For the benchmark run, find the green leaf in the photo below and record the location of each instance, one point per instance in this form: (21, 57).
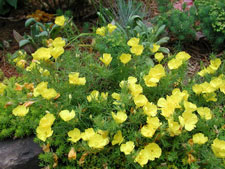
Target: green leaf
(149, 62)
(13, 3)
(164, 50)
(160, 30)
(44, 33)
(29, 21)
(23, 42)
(42, 26)
(163, 40)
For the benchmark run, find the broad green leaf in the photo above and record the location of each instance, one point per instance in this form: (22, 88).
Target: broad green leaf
(164, 50)
(149, 62)
(44, 33)
(160, 30)
(23, 42)
(29, 21)
(163, 40)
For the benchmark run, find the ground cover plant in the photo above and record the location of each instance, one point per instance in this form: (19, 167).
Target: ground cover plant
(121, 102)
(188, 20)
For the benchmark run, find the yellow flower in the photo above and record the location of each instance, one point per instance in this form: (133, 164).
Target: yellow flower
(101, 31)
(214, 65)
(167, 106)
(133, 42)
(183, 56)
(20, 110)
(199, 138)
(188, 120)
(181, 95)
(116, 96)
(140, 100)
(21, 63)
(111, 27)
(118, 138)
(58, 42)
(150, 152)
(44, 72)
(132, 80)
(39, 88)
(142, 157)
(154, 151)
(127, 148)
(44, 132)
(154, 75)
(216, 83)
(56, 52)
(222, 87)
(159, 56)
(148, 131)
(174, 128)
(197, 89)
(203, 72)
(60, 20)
(153, 122)
(137, 49)
(75, 80)
(207, 87)
(87, 134)
(189, 107)
(150, 109)
(42, 54)
(66, 115)
(125, 58)
(218, 148)
(120, 117)
(93, 96)
(204, 112)
(174, 64)
(98, 141)
(135, 89)
(49, 93)
(44, 129)
(33, 65)
(47, 120)
(155, 48)
(74, 135)
(106, 59)
(104, 96)
(2, 88)
(210, 97)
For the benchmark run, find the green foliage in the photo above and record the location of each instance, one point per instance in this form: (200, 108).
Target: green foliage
(137, 82)
(6, 5)
(40, 32)
(212, 16)
(124, 14)
(181, 24)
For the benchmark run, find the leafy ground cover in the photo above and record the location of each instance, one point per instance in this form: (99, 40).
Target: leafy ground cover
(123, 100)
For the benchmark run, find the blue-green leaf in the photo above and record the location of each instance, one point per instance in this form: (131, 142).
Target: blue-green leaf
(23, 42)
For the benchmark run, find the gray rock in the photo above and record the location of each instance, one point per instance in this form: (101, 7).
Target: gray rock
(19, 154)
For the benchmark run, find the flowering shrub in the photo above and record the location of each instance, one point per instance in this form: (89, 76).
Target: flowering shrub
(116, 107)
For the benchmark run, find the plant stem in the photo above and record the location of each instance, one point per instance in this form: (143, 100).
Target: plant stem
(82, 34)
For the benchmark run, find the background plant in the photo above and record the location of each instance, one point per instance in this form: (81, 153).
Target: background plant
(7, 5)
(212, 15)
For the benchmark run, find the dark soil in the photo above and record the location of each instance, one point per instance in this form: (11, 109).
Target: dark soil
(15, 21)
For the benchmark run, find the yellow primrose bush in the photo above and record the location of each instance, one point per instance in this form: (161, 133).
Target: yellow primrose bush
(116, 107)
